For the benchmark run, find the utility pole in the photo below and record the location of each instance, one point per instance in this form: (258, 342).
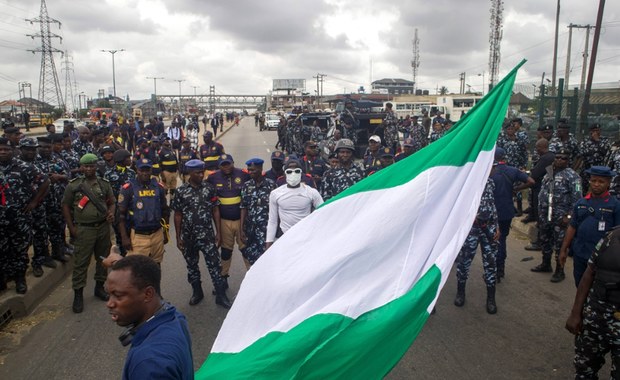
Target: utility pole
(568, 53)
(180, 81)
(555, 49)
(584, 67)
(319, 87)
(462, 80)
(597, 35)
(415, 62)
(113, 52)
(155, 84)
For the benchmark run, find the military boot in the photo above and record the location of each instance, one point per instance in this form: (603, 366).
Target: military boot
(20, 284)
(545, 266)
(58, 253)
(459, 300)
(558, 275)
(197, 294)
(221, 298)
(37, 270)
(100, 291)
(78, 300)
(225, 278)
(491, 306)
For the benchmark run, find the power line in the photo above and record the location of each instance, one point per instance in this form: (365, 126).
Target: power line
(14, 7)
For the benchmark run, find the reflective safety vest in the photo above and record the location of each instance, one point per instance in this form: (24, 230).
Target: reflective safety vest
(145, 209)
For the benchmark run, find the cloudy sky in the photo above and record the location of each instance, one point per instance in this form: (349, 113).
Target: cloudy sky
(241, 45)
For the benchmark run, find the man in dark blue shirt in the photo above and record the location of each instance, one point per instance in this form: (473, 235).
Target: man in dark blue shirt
(505, 178)
(161, 346)
(593, 216)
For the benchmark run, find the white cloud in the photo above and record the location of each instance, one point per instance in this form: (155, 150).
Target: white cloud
(241, 45)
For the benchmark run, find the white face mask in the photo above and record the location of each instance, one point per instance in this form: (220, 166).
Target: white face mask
(293, 177)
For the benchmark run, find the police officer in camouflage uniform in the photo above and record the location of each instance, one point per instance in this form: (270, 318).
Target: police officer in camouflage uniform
(18, 182)
(514, 145)
(560, 190)
(255, 210)
(70, 155)
(595, 316)
(485, 232)
(564, 140)
(89, 226)
(83, 145)
(418, 135)
(41, 255)
(312, 163)
(592, 152)
(345, 175)
(58, 173)
(196, 209)
(390, 128)
(348, 122)
(117, 176)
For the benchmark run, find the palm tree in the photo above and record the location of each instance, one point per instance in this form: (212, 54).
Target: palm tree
(443, 90)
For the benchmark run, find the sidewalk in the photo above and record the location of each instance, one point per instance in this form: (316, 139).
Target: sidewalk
(13, 305)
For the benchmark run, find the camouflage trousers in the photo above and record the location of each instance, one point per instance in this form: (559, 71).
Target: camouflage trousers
(600, 335)
(15, 236)
(482, 235)
(39, 236)
(56, 229)
(191, 253)
(550, 237)
(255, 246)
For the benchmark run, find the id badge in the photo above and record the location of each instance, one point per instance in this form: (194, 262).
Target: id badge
(601, 225)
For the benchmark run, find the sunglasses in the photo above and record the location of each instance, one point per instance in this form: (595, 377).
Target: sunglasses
(291, 171)
(563, 158)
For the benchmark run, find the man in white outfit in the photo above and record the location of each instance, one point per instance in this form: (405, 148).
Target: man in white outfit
(291, 203)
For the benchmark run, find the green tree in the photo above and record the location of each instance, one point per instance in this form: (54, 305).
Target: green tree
(443, 90)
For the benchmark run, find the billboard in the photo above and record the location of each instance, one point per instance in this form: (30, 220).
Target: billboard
(288, 84)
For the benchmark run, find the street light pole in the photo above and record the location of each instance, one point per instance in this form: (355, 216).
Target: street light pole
(113, 69)
(180, 81)
(155, 84)
(482, 81)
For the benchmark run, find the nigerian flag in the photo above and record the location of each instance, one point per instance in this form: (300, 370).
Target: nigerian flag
(344, 293)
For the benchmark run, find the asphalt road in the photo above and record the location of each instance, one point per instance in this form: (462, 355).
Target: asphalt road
(524, 340)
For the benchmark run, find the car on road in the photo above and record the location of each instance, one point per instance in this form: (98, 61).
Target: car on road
(272, 121)
(59, 124)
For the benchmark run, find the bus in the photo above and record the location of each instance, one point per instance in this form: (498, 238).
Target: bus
(457, 105)
(404, 109)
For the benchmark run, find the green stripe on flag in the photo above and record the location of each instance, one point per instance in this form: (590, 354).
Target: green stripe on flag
(448, 150)
(332, 346)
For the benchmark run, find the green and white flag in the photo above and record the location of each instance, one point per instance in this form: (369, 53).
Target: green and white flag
(344, 293)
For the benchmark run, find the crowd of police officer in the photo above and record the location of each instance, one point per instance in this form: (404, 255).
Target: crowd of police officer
(39, 183)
